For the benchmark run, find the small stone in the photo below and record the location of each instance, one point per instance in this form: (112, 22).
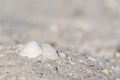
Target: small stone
(31, 50)
(91, 66)
(59, 61)
(62, 55)
(82, 61)
(92, 59)
(106, 71)
(49, 52)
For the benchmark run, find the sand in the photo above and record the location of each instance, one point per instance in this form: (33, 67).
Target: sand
(85, 35)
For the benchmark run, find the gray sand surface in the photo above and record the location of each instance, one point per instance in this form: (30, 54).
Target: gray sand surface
(87, 32)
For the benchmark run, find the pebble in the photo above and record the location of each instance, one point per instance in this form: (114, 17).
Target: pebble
(106, 71)
(49, 52)
(62, 55)
(31, 50)
(92, 59)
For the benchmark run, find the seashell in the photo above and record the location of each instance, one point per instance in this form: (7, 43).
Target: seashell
(49, 52)
(31, 50)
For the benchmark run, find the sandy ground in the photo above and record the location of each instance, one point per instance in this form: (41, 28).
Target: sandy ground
(87, 32)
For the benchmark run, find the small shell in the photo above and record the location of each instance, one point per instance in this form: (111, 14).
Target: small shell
(49, 52)
(31, 50)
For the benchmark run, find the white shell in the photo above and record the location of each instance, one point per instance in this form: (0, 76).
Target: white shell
(49, 52)
(31, 50)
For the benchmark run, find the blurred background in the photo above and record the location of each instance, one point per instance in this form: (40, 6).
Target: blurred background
(91, 26)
